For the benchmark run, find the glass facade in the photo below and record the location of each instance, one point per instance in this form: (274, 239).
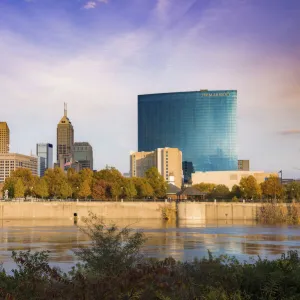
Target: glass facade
(83, 153)
(203, 125)
(45, 151)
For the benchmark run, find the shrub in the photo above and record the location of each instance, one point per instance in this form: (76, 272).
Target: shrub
(168, 212)
(271, 213)
(113, 250)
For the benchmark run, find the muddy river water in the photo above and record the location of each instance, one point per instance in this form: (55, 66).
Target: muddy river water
(183, 241)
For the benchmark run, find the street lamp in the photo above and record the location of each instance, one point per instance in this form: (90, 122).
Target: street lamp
(122, 192)
(280, 172)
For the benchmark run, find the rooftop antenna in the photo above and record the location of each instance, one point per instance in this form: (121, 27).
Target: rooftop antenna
(65, 109)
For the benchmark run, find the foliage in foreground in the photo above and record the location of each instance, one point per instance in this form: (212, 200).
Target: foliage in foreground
(113, 268)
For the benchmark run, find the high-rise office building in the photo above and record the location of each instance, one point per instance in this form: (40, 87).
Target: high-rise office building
(188, 170)
(11, 161)
(168, 162)
(4, 138)
(45, 150)
(41, 166)
(65, 140)
(83, 153)
(202, 124)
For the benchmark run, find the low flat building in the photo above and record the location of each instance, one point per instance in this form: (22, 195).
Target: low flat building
(10, 162)
(168, 162)
(244, 165)
(229, 178)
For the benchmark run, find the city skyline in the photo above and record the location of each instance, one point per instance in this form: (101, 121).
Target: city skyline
(99, 66)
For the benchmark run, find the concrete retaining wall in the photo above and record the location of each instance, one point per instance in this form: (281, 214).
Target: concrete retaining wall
(63, 210)
(127, 210)
(218, 211)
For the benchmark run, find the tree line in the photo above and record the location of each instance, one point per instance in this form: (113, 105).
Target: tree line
(106, 184)
(110, 184)
(249, 188)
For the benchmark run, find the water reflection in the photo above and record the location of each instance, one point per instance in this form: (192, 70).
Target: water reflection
(182, 240)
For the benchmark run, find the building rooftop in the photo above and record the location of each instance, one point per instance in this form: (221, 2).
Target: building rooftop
(191, 92)
(82, 144)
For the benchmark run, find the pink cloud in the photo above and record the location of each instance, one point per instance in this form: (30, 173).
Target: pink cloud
(290, 132)
(90, 5)
(93, 4)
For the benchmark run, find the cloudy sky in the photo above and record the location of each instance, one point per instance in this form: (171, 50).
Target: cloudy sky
(99, 55)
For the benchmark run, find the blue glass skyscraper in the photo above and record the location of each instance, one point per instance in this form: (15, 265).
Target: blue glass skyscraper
(202, 124)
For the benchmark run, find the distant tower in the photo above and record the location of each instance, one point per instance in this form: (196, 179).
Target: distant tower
(65, 139)
(4, 138)
(83, 153)
(45, 153)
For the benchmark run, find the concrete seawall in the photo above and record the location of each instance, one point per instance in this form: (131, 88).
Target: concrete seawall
(218, 211)
(64, 210)
(127, 210)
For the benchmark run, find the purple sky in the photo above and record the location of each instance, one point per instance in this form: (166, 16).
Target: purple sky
(99, 55)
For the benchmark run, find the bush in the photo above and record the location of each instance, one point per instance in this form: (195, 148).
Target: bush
(278, 213)
(113, 250)
(235, 199)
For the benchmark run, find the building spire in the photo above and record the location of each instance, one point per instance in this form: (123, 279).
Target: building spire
(65, 109)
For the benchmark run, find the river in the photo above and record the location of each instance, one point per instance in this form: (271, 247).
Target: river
(183, 241)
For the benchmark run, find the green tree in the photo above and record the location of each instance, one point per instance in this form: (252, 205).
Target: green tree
(74, 181)
(116, 190)
(205, 187)
(221, 191)
(130, 190)
(293, 191)
(41, 188)
(99, 189)
(250, 188)
(157, 182)
(19, 189)
(9, 185)
(272, 188)
(113, 250)
(84, 190)
(143, 188)
(110, 174)
(27, 179)
(115, 179)
(86, 174)
(65, 190)
(54, 178)
(236, 191)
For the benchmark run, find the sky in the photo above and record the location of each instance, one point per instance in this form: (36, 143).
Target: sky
(97, 56)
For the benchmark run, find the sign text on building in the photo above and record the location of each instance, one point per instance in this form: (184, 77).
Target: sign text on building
(225, 94)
